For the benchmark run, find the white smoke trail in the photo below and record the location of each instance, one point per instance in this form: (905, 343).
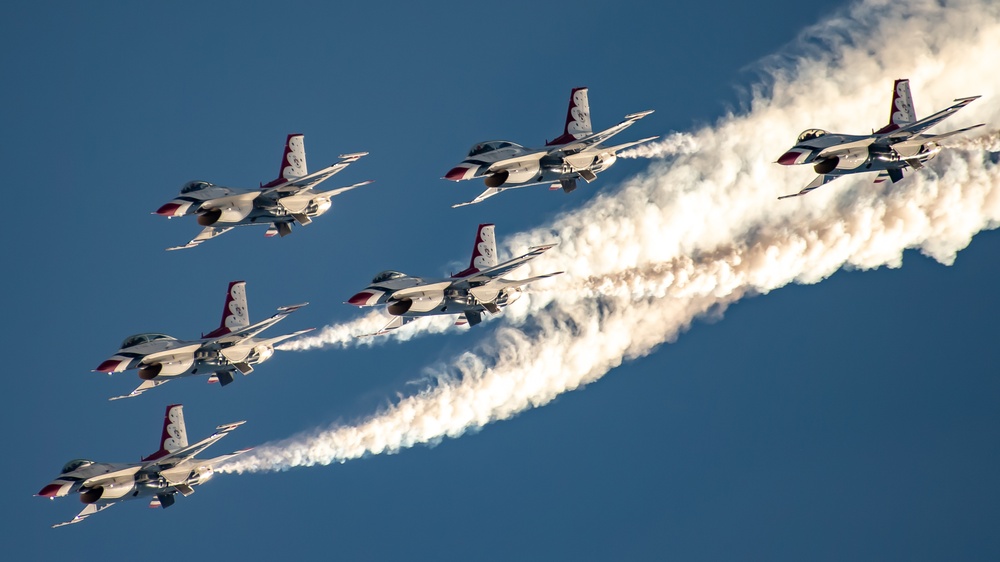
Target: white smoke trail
(704, 229)
(671, 145)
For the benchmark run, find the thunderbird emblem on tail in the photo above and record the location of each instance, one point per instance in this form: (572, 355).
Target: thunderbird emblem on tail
(576, 154)
(291, 198)
(888, 151)
(468, 293)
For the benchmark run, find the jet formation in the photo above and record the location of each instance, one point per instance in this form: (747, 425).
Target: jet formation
(295, 198)
(171, 470)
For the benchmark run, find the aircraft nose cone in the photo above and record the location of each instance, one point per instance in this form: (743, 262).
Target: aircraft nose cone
(789, 158)
(108, 366)
(49, 491)
(168, 210)
(456, 173)
(360, 299)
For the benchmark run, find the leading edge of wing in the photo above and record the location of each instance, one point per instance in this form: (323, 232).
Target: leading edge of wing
(500, 270)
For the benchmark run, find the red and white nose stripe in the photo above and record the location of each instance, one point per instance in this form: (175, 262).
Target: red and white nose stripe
(174, 208)
(794, 156)
(57, 489)
(461, 172)
(368, 297)
(115, 364)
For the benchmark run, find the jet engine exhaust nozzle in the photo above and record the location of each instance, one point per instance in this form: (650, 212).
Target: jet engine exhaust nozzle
(400, 307)
(149, 372)
(497, 179)
(208, 218)
(826, 166)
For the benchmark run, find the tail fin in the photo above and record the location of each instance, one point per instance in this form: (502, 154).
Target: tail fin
(235, 314)
(577, 118)
(174, 436)
(901, 113)
(484, 251)
(293, 161)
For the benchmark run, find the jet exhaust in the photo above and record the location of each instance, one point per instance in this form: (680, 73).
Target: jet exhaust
(700, 231)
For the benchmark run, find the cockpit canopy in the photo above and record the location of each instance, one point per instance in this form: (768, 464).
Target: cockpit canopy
(75, 464)
(387, 275)
(490, 146)
(143, 338)
(195, 186)
(810, 134)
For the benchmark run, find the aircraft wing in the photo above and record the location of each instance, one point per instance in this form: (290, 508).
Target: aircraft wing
(146, 385)
(598, 138)
(819, 181)
(238, 353)
(316, 178)
(922, 125)
(502, 269)
(396, 323)
(237, 336)
(96, 480)
(418, 291)
(491, 191)
(918, 141)
(297, 202)
(839, 149)
(619, 147)
(207, 234)
(180, 455)
(87, 512)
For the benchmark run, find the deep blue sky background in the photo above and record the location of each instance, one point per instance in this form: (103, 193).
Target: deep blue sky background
(854, 419)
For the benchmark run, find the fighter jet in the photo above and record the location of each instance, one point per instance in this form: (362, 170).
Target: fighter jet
(888, 151)
(467, 293)
(163, 474)
(229, 348)
(577, 153)
(291, 198)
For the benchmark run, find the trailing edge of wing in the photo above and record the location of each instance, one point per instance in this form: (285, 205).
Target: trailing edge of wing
(502, 269)
(922, 125)
(602, 136)
(914, 142)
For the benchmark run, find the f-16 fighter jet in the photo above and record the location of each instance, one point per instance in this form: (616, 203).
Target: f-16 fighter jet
(577, 153)
(229, 348)
(171, 470)
(291, 198)
(888, 151)
(468, 293)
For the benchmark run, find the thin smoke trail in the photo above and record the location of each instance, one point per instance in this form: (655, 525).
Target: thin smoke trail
(702, 230)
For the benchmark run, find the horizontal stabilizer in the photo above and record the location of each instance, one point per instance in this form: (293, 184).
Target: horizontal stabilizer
(917, 142)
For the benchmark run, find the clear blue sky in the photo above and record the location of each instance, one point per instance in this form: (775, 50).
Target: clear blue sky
(853, 419)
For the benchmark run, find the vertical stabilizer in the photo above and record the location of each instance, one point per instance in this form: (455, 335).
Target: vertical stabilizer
(235, 314)
(577, 118)
(484, 251)
(174, 436)
(293, 161)
(901, 113)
